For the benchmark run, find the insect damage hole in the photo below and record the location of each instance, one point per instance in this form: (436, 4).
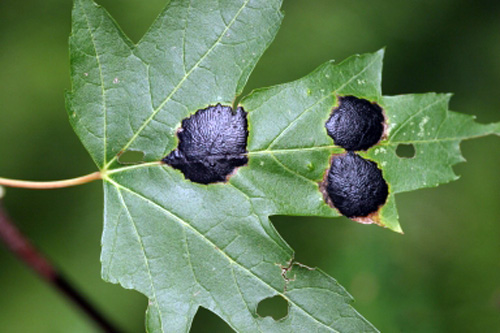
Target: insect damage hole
(404, 150)
(356, 124)
(131, 157)
(355, 186)
(275, 307)
(212, 144)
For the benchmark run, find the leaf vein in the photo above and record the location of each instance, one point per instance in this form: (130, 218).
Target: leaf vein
(242, 297)
(179, 85)
(103, 91)
(210, 242)
(398, 129)
(319, 101)
(295, 173)
(146, 262)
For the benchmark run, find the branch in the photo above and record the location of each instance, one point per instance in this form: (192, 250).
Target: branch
(24, 250)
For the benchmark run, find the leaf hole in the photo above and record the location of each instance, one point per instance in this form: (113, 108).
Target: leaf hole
(131, 157)
(275, 307)
(405, 150)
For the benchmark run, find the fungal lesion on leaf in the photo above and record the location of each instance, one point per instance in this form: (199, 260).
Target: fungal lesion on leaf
(356, 123)
(212, 144)
(352, 185)
(355, 187)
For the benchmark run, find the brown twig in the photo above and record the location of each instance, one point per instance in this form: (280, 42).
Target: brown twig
(24, 250)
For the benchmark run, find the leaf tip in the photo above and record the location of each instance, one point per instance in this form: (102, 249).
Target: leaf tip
(397, 228)
(381, 52)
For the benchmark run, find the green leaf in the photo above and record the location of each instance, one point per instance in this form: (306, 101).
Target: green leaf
(129, 96)
(425, 122)
(186, 245)
(287, 130)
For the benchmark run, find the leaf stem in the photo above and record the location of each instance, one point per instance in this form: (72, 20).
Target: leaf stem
(35, 185)
(130, 167)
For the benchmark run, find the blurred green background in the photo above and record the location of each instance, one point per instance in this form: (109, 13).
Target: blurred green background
(443, 275)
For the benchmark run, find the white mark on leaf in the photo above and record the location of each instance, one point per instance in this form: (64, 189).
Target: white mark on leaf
(424, 121)
(391, 126)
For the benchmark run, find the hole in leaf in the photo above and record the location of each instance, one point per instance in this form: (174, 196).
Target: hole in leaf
(207, 321)
(405, 150)
(275, 307)
(131, 157)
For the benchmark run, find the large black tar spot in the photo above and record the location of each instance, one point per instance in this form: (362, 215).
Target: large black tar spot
(212, 143)
(355, 185)
(356, 124)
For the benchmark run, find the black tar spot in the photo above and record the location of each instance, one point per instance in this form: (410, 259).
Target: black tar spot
(212, 143)
(356, 124)
(355, 185)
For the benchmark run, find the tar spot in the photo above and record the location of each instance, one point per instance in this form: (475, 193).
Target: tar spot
(355, 186)
(212, 143)
(356, 124)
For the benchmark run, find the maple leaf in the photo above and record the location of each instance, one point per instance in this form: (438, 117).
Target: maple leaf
(185, 244)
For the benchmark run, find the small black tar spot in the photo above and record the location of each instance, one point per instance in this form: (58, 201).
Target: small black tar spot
(356, 124)
(356, 186)
(212, 143)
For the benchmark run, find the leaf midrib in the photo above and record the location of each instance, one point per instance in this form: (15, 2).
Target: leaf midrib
(302, 149)
(103, 90)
